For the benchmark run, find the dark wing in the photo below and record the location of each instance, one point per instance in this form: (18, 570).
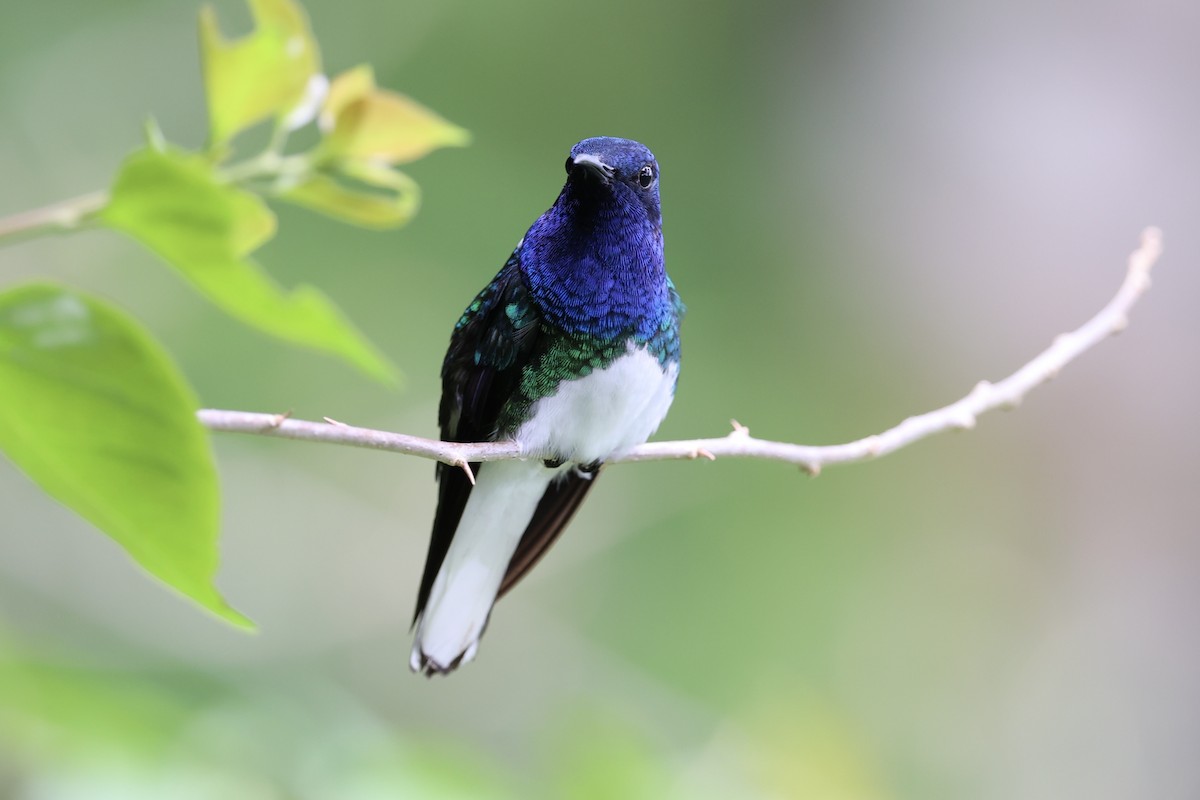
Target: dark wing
(492, 342)
(554, 511)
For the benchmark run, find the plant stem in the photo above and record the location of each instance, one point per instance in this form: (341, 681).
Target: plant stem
(59, 217)
(265, 165)
(959, 415)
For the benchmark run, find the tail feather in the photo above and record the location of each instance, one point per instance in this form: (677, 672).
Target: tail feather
(460, 600)
(560, 502)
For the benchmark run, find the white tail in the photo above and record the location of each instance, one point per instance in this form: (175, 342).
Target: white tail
(497, 513)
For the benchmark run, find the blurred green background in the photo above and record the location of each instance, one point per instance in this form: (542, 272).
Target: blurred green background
(868, 208)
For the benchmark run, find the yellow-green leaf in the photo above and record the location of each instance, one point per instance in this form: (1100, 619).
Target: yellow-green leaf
(263, 74)
(95, 412)
(367, 123)
(389, 198)
(173, 203)
(353, 84)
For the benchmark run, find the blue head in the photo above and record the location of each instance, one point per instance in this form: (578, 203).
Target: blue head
(604, 170)
(594, 261)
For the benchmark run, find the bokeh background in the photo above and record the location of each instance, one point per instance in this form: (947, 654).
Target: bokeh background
(869, 207)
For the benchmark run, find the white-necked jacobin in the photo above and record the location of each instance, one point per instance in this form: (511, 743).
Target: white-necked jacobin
(573, 351)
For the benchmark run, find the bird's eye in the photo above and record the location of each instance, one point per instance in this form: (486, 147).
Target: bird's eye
(646, 176)
(570, 163)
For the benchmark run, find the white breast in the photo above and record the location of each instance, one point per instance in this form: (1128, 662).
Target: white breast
(601, 414)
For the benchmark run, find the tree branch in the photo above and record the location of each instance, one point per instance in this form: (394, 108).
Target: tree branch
(63, 216)
(959, 415)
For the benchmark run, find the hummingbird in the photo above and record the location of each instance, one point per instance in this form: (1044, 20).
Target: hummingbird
(572, 351)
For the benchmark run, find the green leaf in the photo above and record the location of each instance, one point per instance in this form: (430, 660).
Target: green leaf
(97, 415)
(366, 123)
(173, 203)
(392, 204)
(353, 84)
(263, 74)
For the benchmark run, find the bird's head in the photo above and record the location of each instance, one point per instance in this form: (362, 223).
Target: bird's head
(623, 169)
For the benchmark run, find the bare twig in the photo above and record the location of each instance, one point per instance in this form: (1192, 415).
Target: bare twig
(739, 443)
(63, 216)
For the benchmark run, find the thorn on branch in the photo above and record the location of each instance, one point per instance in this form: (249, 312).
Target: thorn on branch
(1144, 257)
(963, 421)
(465, 466)
(812, 470)
(278, 419)
(700, 452)
(333, 421)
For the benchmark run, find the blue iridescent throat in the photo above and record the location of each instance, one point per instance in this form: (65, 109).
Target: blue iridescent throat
(594, 265)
